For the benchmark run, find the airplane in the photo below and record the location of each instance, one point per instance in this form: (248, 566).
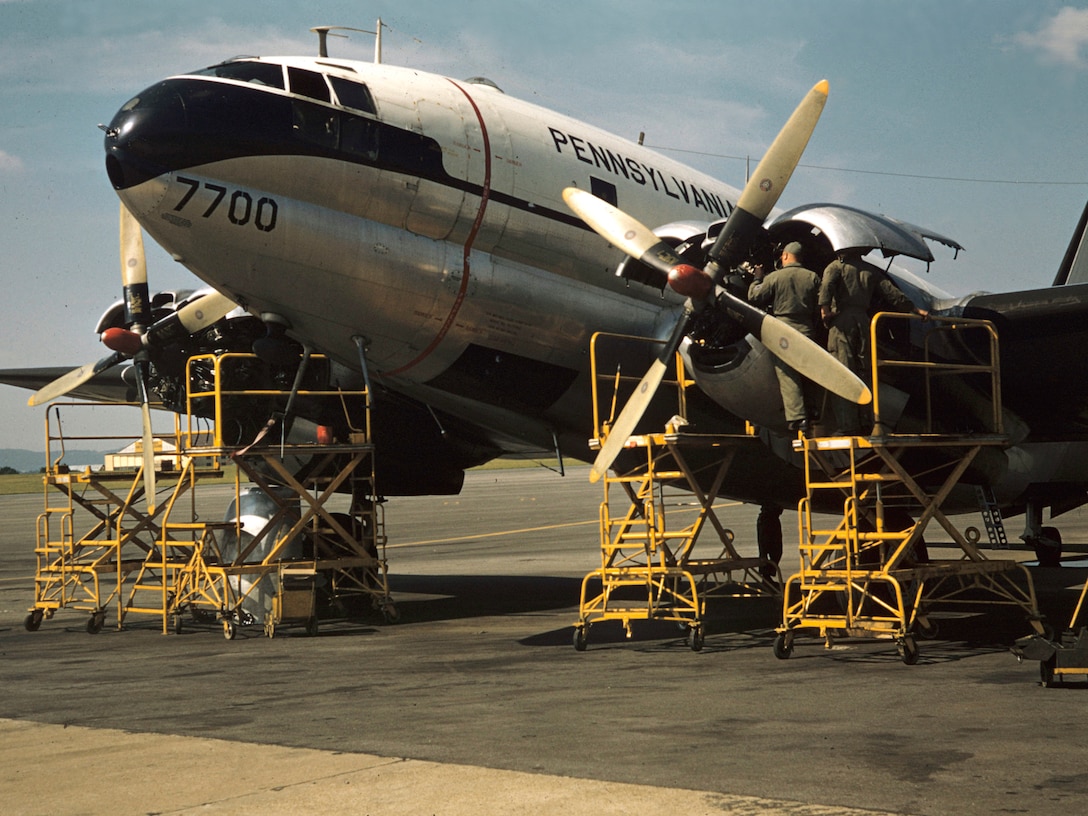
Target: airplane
(432, 236)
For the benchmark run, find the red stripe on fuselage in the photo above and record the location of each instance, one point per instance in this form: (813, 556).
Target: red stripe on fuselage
(485, 194)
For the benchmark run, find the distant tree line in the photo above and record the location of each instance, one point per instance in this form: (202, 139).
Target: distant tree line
(6, 470)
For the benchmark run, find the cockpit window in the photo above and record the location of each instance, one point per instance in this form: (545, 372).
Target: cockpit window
(259, 73)
(308, 83)
(353, 94)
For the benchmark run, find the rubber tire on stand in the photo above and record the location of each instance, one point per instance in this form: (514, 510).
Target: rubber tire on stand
(695, 638)
(783, 645)
(579, 639)
(94, 623)
(926, 628)
(908, 651)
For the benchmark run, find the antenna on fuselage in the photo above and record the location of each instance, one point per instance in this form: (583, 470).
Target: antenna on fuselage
(323, 38)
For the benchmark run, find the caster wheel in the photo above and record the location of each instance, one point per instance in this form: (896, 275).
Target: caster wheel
(579, 639)
(33, 620)
(94, 623)
(695, 638)
(926, 628)
(390, 613)
(177, 624)
(311, 627)
(908, 651)
(229, 630)
(783, 645)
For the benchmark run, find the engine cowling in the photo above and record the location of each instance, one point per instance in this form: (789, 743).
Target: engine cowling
(741, 378)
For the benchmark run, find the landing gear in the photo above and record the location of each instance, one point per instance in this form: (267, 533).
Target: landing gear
(1046, 670)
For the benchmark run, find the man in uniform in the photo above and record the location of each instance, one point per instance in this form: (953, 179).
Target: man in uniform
(791, 295)
(848, 291)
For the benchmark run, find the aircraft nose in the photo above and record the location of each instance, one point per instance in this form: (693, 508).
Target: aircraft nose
(188, 121)
(144, 138)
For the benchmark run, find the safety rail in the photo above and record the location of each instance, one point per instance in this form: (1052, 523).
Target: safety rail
(218, 379)
(944, 339)
(624, 352)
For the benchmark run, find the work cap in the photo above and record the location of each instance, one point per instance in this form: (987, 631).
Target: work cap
(793, 248)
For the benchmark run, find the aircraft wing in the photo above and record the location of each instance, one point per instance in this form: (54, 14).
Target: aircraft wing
(109, 386)
(1044, 354)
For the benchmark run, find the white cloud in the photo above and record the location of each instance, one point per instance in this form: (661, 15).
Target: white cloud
(1061, 39)
(10, 164)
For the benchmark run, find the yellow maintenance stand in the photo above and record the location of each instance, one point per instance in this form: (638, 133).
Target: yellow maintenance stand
(866, 572)
(649, 566)
(280, 545)
(97, 529)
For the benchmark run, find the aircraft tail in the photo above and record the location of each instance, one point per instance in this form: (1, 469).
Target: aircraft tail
(1074, 266)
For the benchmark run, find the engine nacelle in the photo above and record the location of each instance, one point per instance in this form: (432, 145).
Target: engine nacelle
(740, 378)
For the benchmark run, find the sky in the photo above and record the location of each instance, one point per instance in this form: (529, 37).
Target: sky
(964, 116)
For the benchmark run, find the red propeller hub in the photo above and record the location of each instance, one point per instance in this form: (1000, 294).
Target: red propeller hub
(122, 340)
(690, 281)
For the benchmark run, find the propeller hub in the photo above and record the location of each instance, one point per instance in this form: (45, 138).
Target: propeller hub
(117, 339)
(690, 281)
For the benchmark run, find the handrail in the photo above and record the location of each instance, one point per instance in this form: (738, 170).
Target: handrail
(937, 329)
(681, 383)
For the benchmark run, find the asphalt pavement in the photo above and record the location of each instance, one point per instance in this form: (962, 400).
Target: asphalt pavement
(476, 701)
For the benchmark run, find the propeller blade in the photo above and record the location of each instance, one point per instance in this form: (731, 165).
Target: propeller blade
(73, 379)
(134, 270)
(189, 319)
(148, 437)
(802, 354)
(621, 230)
(636, 406)
(766, 184)
(744, 225)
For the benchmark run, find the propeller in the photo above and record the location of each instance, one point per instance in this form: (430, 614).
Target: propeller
(138, 315)
(744, 225)
(136, 342)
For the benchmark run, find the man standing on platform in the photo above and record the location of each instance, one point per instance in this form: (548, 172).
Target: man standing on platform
(791, 295)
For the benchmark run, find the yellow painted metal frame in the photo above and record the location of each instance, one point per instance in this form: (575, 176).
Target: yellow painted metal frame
(169, 562)
(89, 571)
(861, 576)
(648, 570)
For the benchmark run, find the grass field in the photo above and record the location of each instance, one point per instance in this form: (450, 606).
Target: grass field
(20, 483)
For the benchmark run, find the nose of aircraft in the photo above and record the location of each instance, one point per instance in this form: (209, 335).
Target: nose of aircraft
(145, 137)
(192, 120)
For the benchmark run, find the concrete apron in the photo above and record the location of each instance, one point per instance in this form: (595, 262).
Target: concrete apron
(56, 769)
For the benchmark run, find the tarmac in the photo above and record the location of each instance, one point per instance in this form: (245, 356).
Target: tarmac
(476, 701)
